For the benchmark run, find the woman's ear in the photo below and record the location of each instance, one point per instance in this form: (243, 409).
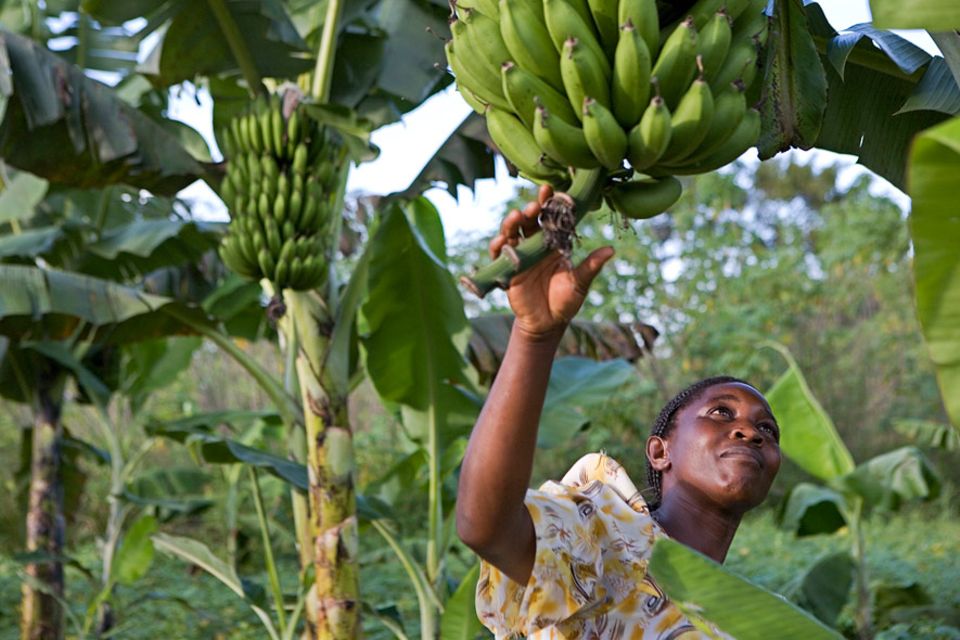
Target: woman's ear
(657, 453)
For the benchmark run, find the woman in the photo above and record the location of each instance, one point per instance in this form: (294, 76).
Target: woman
(569, 560)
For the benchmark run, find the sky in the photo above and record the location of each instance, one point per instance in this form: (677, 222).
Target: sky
(406, 146)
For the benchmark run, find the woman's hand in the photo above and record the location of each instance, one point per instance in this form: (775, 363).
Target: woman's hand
(546, 297)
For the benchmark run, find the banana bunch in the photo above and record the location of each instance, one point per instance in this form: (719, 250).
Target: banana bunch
(280, 187)
(587, 84)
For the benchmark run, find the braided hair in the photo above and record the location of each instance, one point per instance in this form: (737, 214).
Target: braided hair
(668, 419)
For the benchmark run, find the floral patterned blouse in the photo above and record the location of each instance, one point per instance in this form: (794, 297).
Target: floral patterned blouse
(589, 580)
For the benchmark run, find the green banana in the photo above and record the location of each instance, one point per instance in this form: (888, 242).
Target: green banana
(603, 134)
(729, 109)
(471, 88)
(648, 140)
(582, 76)
(630, 87)
(246, 246)
(277, 127)
(524, 90)
(691, 121)
(266, 131)
(479, 75)
(606, 21)
(269, 168)
(288, 230)
(294, 128)
(489, 8)
(471, 99)
(280, 274)
(288, 250)
(643, 15)
(753, 23)
(280, 208)
(486, 43)
(256, 136)
(227, 192)
(517, 145)
(309, 214)
(263, 206)
(300, 159)
(295, 206)
(272, 234)
(267, 264)
(564, 143)
(232, 257)
(740, 65)
(236, 126)
(528, 41)
(744, 137)
(703, 10)
(640, 199)
(677, 63)
(713, 43)
(296, 273)
(565, 22)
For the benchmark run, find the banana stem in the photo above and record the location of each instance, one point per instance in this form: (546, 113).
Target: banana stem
(585, 192)
(238, 47)
(323, 71)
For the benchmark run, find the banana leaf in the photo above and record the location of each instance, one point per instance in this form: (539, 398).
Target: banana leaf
(933, 15)
(594, 340)
(808, 435)
(935, 228)
(871, 76)
(701, 587)
(100, 140)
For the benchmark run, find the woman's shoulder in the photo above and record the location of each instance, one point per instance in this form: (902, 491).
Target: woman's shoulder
(600, 468)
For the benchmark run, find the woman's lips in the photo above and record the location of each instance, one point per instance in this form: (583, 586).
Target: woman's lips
(744, 452)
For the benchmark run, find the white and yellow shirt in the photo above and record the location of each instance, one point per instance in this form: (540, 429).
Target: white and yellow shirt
(589, 580)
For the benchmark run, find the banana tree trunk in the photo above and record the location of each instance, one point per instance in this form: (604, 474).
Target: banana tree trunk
(41, 616)
(330, 465)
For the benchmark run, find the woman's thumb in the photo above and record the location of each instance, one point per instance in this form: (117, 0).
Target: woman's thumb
(587, 270)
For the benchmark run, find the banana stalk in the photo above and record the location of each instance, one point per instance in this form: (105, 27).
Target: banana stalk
(585, 192)
(331, 471)
(42, 610)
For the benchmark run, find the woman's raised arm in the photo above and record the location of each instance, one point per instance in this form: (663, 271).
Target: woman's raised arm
(491, 516)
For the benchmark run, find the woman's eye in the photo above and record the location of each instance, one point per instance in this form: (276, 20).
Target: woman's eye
(723, 411)
(769, 428)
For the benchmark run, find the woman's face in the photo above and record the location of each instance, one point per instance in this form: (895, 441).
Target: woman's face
(724, 448)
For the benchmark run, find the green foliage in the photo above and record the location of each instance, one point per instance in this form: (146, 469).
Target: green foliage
(101, 139)
(793, 109)
(824, 587)
(459, 620)
(135, 554)
(699, 586)
(576, 385)
(412, 302)
(809, 509)
(935, 226)
(808, 436)
(934, 15)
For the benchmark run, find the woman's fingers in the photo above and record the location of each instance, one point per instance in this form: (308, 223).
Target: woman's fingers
(509, 232)
(531, 219)
(545, 193)
(517, 223)
(511, 224)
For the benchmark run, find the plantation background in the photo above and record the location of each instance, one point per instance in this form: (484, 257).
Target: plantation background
(782, 252)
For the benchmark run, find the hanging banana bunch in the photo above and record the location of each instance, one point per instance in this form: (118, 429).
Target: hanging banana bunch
(281, 190)
(569, 85)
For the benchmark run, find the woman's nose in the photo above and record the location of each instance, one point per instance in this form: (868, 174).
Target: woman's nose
(746, 431)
